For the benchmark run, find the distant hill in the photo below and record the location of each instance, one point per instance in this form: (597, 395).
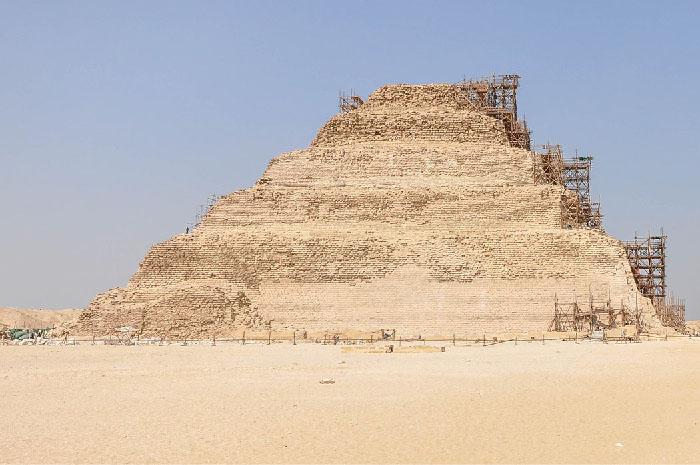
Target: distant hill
(33, 318)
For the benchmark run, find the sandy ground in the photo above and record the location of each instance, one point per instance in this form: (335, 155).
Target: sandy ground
(558, 402)
(32, 318)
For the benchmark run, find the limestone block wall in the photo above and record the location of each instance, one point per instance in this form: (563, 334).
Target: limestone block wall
(418, 163)
(327, 254)
(191, 309)
(350, 205)
(409, 112)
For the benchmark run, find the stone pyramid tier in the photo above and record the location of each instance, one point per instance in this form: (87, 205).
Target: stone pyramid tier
(411, 212)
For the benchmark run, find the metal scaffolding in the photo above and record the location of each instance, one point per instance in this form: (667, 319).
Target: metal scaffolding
(574, 174)
(349, 102)
(497, 97)
(202, 211)
(671, 311)
(550, 161)
(596, 315)
(577, 178)
(647, 257)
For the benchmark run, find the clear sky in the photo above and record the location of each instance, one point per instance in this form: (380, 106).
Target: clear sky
(118, 119)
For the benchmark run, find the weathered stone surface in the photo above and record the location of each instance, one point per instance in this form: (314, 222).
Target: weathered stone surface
(411, 212)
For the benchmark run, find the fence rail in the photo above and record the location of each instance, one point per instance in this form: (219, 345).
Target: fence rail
(454, 341)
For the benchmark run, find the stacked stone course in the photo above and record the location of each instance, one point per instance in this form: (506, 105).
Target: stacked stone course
(411, 212)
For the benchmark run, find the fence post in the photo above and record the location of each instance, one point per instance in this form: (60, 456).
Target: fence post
(454, 339)
(243, 340)
(269, 336)
(542, 338)
(516, 339)
(484, 340)
(294, 337)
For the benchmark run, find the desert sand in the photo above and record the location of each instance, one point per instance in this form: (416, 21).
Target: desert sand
(557, 402)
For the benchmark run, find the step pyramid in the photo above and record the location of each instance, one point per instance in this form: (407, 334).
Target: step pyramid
(412, 211)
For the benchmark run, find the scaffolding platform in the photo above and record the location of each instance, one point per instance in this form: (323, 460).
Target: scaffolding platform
(496, 96)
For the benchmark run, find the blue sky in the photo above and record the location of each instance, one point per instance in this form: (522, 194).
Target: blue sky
(118, 119)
